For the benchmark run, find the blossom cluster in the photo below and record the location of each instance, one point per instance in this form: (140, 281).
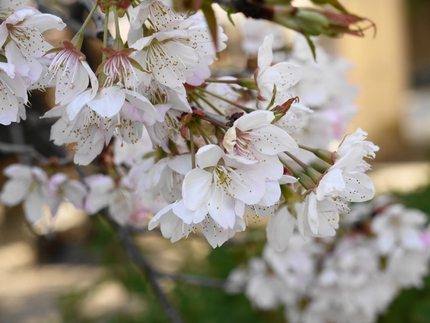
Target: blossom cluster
(200, 153)
(351, 278)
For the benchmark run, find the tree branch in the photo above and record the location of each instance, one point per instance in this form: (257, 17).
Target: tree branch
(135, 254)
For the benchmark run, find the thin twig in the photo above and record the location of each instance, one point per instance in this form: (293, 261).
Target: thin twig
(135, 254)
(29, 152)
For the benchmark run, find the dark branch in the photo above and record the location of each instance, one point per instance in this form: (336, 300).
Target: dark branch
(135, 254)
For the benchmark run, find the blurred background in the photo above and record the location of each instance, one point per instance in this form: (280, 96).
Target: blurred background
(80, 272)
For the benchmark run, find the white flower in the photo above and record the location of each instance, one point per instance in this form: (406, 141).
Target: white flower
(28, 184)
(72, 73)
(22, 33)
(166, 177)
(160, 14)
(282, 75)
(9, 7)
(397, 225)
(13, 94)
(61, 188)
(280, 229)
(123, 205)
(252, 136)
(168, 59)
(222, 185)
(352, 151)
(91, 132)
(318, 218)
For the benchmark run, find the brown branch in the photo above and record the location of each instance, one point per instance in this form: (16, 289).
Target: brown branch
(135, 254)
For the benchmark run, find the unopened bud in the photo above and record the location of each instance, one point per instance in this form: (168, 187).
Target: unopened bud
(306, 181)
(326, 155)
(249, 83)
(313, 174)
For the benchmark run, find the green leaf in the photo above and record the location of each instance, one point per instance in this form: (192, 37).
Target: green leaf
(211, 20)
(334, 3)
(229, 13)
(312, 46)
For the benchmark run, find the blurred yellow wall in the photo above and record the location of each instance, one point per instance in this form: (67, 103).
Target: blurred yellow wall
(380, 70)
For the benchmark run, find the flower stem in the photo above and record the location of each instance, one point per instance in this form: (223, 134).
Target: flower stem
(105, 34)
(192, 150)
(298, 161)
(201, 97)
(225, 100)
(79, 37)
(204, 133)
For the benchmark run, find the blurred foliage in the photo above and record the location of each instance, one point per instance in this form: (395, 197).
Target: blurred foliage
(412, 305)
(204, 304)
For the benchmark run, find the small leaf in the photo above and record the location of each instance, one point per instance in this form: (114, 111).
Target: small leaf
(312, 46)
(211, 20)
(229, 13)
(334, 3)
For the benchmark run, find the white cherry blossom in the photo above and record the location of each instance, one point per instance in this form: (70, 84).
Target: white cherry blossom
(281, 75)
(222, 185)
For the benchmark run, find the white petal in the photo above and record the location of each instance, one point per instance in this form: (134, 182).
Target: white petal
(208, 156)
(196, 188)
(108, 101)
(280, 229)
(222, 209)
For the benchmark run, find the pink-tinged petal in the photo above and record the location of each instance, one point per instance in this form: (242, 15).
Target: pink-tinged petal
(412, 239)
(74, 107)
(265, 53)
(280, 229)
(247, 186)
(142, 103)
(222, 208)
(271, 140)
(180, 164)
(33, 206)
(196, 188)
(108, 101)
(254, 120)
(208, 156)
(201, 73)
(330, 184)
(14, 191)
